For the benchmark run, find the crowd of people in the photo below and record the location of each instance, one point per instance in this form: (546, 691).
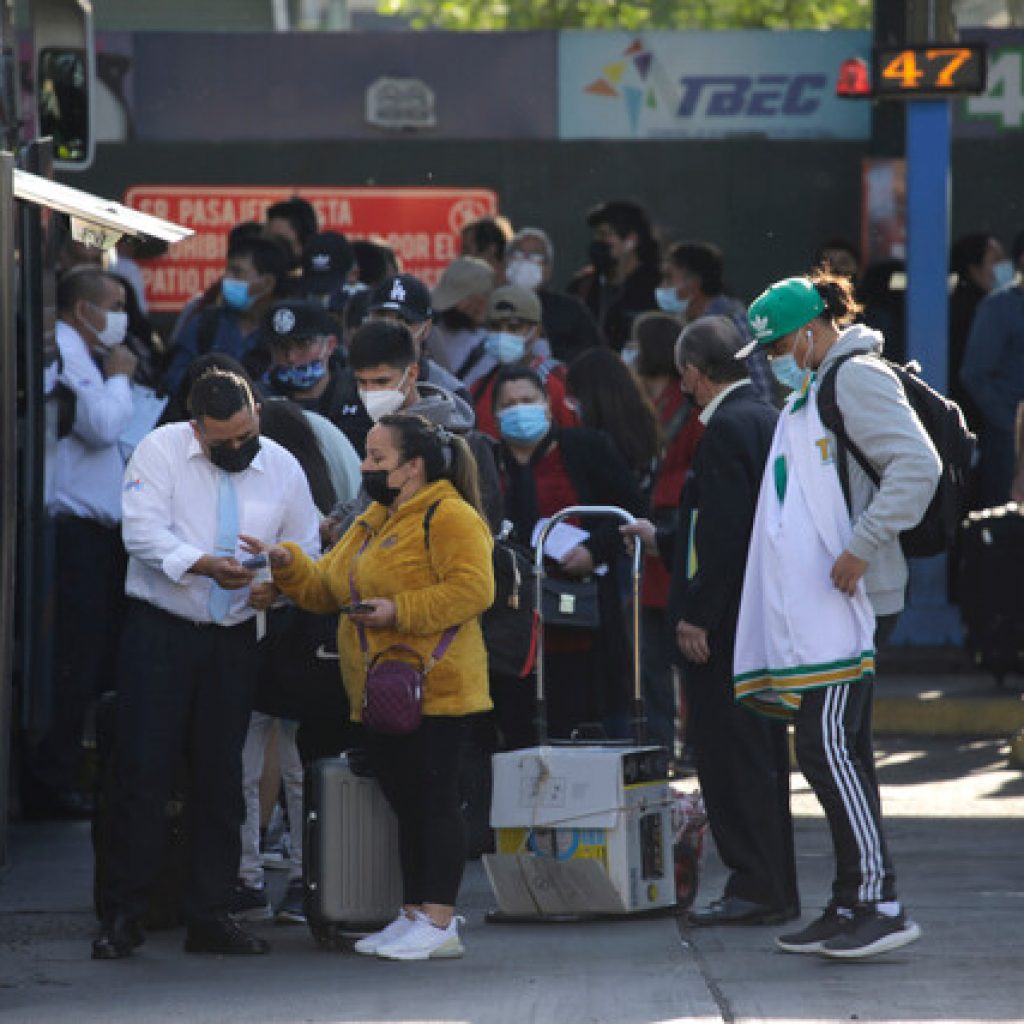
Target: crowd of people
(319, 457)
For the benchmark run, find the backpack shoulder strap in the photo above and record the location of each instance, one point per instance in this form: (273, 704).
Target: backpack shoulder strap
(832, 418)
(476, 353)
(427, 519)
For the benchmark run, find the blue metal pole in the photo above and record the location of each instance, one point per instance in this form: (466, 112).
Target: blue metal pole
(929, 618)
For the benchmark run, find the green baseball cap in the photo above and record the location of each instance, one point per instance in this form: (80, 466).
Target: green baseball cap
(781, 308)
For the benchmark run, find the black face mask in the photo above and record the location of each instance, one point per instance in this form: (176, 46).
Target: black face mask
(375, 483)
(234, 460)
(601, 256)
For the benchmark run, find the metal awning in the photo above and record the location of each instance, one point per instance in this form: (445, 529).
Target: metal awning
(95, 221)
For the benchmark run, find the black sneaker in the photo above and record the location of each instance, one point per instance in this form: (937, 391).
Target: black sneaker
(290, 910)
(810, 939)
(249, 903)
(870, 933)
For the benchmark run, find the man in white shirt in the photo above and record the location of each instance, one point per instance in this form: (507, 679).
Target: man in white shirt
(85, 502)
(190, 655)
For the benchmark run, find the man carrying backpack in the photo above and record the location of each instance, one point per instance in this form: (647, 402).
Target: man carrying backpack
(825, 582)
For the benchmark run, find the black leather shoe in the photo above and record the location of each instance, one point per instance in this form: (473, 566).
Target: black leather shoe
(733, 910)
(117, 938)
(223, 936)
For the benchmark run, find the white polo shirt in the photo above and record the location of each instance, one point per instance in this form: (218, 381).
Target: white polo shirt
(169, 503)
(88, 465)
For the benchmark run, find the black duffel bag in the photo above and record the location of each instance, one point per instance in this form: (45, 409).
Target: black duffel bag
(509, 624)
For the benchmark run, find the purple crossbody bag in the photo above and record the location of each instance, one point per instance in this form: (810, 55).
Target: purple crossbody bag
(393, 695)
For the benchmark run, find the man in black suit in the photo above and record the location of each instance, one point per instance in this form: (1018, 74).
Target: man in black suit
(742, 759)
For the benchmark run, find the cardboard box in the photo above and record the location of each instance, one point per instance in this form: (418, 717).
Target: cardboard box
(580, 830)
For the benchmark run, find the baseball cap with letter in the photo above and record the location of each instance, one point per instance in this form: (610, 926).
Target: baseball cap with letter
(781, 308)
(405, 295)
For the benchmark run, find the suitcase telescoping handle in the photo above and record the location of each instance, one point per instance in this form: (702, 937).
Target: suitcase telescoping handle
(638, 718)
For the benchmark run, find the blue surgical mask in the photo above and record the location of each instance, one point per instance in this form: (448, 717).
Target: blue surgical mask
(526, 423)
(299, 378)
(236, 294)
(1004, 273)
(505, 347)
(668, 300)
(788, 373)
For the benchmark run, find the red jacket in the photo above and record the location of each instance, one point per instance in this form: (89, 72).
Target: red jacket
(551, 372)
(668, 485)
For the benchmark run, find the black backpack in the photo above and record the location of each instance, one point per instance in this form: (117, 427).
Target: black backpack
(944, 423)
(508, 625)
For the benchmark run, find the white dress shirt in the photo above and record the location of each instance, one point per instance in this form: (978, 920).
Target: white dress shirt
(169, 501)
(88, 465)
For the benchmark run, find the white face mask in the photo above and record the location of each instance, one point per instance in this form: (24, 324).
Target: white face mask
(383, 401)
(524, 273)
(114, 330)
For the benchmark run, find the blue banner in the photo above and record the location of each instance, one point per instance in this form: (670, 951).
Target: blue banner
(658, 85)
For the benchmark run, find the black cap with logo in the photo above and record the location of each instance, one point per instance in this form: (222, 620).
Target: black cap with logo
(295, 321)
(406, 295)
(326, 262)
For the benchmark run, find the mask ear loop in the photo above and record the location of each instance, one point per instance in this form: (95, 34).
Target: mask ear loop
(809, 335)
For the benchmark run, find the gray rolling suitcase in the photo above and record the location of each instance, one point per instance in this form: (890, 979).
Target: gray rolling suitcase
(351, 871)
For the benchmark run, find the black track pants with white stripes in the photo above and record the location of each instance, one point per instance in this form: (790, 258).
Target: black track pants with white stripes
(834, 751)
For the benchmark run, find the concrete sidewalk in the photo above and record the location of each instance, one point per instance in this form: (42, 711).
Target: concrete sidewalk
(937, 692)
(954, 814)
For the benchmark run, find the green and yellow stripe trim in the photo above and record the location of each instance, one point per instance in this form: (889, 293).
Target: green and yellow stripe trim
(785, 685)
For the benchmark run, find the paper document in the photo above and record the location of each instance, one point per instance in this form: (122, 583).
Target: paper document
(561, 540)
(147, 407)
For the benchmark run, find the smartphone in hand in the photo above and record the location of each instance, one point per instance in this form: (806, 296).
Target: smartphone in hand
(356, 609)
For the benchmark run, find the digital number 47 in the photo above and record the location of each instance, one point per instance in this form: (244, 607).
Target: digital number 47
(905, 67)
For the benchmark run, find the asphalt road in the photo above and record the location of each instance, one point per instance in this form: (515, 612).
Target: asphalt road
(954, 814)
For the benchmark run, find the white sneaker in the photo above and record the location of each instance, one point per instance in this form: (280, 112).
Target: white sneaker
(369, 944)
(425, 941)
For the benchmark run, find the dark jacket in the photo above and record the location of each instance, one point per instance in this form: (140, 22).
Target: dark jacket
(615, 307)
(599, 476)
(717, 507)
(340, 403)
(569, 326)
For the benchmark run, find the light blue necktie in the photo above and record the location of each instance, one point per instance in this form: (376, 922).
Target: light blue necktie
(224, 545)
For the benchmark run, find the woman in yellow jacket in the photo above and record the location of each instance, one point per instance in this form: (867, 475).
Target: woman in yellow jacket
(420, 558)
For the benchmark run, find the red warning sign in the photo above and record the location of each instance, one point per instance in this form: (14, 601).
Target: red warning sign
(422, 225)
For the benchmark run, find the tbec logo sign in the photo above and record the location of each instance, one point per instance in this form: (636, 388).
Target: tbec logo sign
(422, 225)
(707, 84)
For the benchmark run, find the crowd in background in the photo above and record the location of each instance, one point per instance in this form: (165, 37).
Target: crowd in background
(562, 397)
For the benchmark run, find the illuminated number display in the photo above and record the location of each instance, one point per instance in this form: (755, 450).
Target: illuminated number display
(929, 70)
